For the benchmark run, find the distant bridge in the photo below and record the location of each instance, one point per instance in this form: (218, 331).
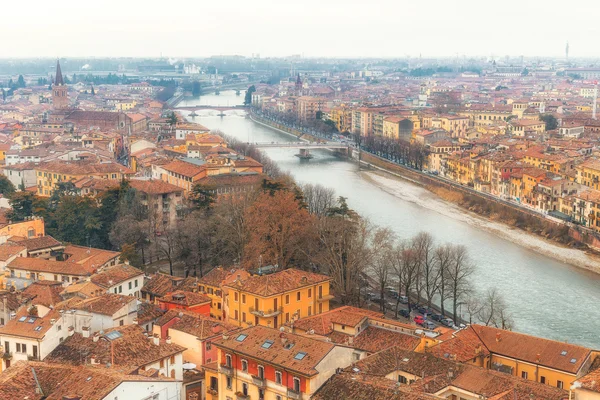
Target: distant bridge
(301, 145)
(216, 108)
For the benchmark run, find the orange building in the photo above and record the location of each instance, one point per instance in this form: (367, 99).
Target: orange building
(189, 301)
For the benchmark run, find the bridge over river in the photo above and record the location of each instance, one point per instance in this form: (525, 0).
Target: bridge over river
(305, 147)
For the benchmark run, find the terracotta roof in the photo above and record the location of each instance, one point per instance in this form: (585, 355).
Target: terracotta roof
(464, 345)
(39, 243)
(82, 168)
(84, 289)
(184, 168)
(148, 312)
(374, 339)
(399, 359)
(201, 326)
(277, 354)
(349, 386)
(30, 326)
(46, 293)
(8, 251)
(88, 256)
(106, 304)
(154, 186)
(133, 349)
(550, 353)
(162, 284)
(54, 267)
(184, 298)
(116, 274)
(279, 282)
(321, 324)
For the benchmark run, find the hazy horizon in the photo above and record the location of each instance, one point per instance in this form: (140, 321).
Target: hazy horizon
(331, 28)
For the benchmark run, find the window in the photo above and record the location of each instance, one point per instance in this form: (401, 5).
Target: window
(229, 382)
(243, 317)
(208, 345)
(120, 289)
(18, 347)
(261, 372)
(244, 365)
(524, 374)
(135, 283)
(287, 317)
(162, 363)
(245, 389)
(241, 337)
(300, 355)
(402, 379)
(256, 304)
(267, 344)
(297, 384)
(278, 379)
(287, 299)
(309, 293)
(298, 296)
(243, 299)
(309, 311)
(559, 384)
(172, 360)
(542, 379)
(130, 285)
(235, 315)
(228, 360)
(121, 323)
(278, 397)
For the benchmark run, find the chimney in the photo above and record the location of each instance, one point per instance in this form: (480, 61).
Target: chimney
(52, 321)
(168, 340)
(71, 331)
(498, 337)
(85, 332)
(93, 359)
(96, 337)
(537, 358)
(156, 339)
(135, 321)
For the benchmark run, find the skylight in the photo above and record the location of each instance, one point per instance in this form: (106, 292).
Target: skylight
(22, 319)
(563, 353)
(267, 344)
(113, 335)
(288, 346)
(573, 360)
(241, 337)
(37, 328)
(31, 320)
(300, 355)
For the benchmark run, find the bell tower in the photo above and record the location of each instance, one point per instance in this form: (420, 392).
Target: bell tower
(60, 97)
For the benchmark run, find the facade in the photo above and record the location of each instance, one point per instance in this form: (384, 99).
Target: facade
(188, 301)
(274, 299)
(60, 97)
(263, 363)
(120, 279)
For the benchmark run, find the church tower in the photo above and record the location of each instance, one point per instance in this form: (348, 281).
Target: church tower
(60, 98)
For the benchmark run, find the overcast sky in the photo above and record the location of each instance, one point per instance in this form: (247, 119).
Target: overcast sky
(314, 28)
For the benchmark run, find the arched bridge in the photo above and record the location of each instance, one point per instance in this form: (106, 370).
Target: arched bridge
(301, 145)
(216, 108)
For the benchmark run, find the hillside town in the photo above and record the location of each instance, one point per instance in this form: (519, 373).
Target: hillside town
(117, 281)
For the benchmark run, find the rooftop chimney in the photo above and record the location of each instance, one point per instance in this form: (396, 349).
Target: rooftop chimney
(168, 340)
(498, 337)
(96, 337)
(156, 339)
(85, 332)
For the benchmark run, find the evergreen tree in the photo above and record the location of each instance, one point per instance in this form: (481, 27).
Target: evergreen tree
(21, 82)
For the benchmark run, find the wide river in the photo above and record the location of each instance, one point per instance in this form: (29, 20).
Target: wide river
(547, 298)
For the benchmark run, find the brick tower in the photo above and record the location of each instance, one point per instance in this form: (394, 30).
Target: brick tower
(60, 98)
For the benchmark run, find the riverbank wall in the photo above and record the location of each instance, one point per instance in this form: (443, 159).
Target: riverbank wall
(283, 129)
(490, 206)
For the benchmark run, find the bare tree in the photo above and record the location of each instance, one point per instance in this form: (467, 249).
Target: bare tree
(493, 310)
(457, 276)
(382, 263)
(428, 271)
(473, 306)
(318, 198)
(442, 258)
(405, 268)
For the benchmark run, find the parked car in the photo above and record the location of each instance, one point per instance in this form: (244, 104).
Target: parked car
(448, 322)
(425, 310)
(403, 299)
(419, 320)
(404, 313)
(428, 325)
(436, 317)
(376, 299)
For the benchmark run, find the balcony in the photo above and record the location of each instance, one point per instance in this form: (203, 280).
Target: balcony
(212, 391)
(266, 314)
(7, 356)
(258, 381)
(242, 396)
(325, 298)
(292, 394)
(226, 370)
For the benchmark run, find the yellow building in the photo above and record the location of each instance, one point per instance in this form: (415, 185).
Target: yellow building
(274, 299)
(588, 173)
(125, 105)
(522, 127)
(545, 361)
(52, 173)
(211, 284)
(342, 118)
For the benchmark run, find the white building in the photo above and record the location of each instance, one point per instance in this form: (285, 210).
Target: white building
(120, 279)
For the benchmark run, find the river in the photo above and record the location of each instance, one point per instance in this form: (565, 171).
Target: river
(546, 297)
